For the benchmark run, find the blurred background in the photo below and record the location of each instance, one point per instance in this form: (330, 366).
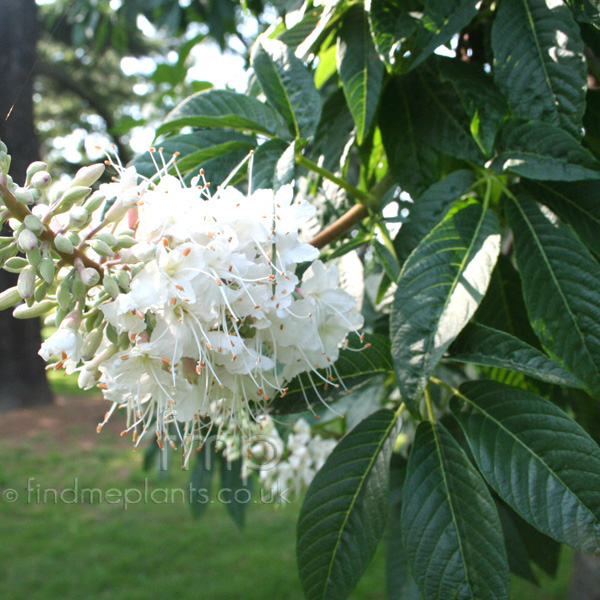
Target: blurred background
(75, 77)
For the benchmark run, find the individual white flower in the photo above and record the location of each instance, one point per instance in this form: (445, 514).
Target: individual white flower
(65, 344)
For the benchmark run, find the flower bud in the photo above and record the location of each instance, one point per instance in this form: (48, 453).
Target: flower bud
(90, 277)
(73, 237)
(33, 224)
(9, 297)
(47, 270)
(27, 240)
(15, 264)
(41, 291)
(111, 334)
(34, 257)
(50, 320)
(3, 147)
(79, 217)
(91, 343)
(124, 280)
(63, 244)
(8, 252)
(94, 202)
(88, 175)
(41, 180)
(37, 310)
(24, 196)
(63, 295)
(74, 195)
(78, 288)
(33, 168)
(26, 282)
(102, 248)
(126, 241)
(107, 238)
(4, 163)
(111, 285)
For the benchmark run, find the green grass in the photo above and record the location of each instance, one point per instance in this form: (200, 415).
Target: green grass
(149, 550)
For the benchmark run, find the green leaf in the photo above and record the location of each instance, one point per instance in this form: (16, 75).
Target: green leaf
(357, 363)
(539, 62)
(539, 460)
(288, 86)
(576, 203)
(413, 162)
(390, 23)
(440, 287)
(221, 108)
(218, 152)
(201, 479)
(266, 157)
(538, 150)
(480, 97)
(481, 345)
(360, 69)
(561, 286)
(451, 529)
(503, 306)
(429, 209)
(333, 134)
(236, 487)
(345, 510)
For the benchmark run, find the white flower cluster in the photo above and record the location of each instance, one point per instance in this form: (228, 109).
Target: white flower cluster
(181, 305)
(306, 454)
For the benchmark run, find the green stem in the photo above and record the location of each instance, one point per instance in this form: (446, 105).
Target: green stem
(429, 405)
(445, 385)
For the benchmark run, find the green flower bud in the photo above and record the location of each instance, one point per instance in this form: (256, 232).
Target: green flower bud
(37, 310)
(88, 175)
(78, 288)
(75, 195)
(26, 282)
(27, 240)
(60, 315)
(41, 180)
(9, 298)
(41, 292)
(47, 270)
(102, 248)
(126, 241)
(73, 237)
(50, 320)
(34, 257)
(7, 253)
(90, 277)
(63, 244)
(91, 343)
(107, 238)
(111, 334)
(111, 285)
(33, 168)
(15, 264)
(79, 217)
(63, 295)
(94, 202)
(124, 280)
(24, 196)
(4, 163)
(34, 224)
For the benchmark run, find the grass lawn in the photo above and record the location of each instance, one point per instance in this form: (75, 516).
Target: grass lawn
(61, 550)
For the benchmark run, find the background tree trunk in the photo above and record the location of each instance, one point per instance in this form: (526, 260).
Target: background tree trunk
(22, 375)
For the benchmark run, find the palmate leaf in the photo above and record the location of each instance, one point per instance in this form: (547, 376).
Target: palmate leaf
(481, 345)
(264, 167)
(345, 510)
(538, 150)
(221, 108)
(576, 203)
(561, 287)
(539, 460)
(451, 529)
(439, 289)
(288, 86)
(356, 364)
(539, 62)
(360, 69)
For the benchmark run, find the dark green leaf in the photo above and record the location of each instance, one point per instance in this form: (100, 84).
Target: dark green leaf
(221, 108)
(481, 345)
(539, 62)
(345, 510)
(355, 365)
(576, 203)
(429, 209)
(360, 69)
(451, 529)
(266, 157)
(440, 287)
(538, 150)
(561, 286)
(288, 86)
(539, 460)
(236, 489)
